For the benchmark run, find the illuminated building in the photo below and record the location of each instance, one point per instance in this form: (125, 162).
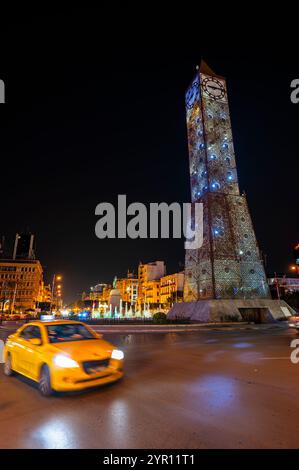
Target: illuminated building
(21, 284)
(45, 300)
(99, 293)
(106, 292)
(148, 272)
(229, 264)
(171, 288)
(151, 293)
(46, 293)
(128, 288)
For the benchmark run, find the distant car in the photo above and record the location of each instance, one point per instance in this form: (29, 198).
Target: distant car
(294, 322)
(62, 356)
(26, 316)
(15, 317)
(84, 316)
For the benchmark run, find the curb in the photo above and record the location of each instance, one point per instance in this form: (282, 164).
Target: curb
(127, 329)
(182, 328)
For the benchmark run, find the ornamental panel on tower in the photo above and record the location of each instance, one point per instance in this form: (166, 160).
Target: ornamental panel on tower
(228, 265)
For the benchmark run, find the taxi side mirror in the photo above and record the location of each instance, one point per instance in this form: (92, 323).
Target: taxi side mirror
(98, 336)
(35, 341)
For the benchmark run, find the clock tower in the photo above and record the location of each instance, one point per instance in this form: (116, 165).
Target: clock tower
(229, 264)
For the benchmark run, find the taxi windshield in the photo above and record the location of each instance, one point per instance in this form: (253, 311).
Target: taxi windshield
(68, 332)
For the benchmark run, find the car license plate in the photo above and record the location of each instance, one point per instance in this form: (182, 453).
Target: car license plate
(93, 370)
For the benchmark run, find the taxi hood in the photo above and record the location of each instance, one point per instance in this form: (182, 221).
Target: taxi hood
(84, 350)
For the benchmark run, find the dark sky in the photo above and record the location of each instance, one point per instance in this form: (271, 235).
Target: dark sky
(90, 116)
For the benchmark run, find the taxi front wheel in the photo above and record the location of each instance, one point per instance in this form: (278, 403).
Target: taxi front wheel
(7, 366)
(44, 384)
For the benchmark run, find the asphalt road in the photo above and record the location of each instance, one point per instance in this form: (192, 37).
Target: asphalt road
(208, 389)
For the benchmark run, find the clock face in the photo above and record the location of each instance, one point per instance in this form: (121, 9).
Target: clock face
(214, 88)
(192, 95)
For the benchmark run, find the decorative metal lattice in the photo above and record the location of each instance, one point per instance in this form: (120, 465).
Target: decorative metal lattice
(228, 265)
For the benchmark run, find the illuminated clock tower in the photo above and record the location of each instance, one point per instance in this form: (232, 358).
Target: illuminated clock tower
(229, 264)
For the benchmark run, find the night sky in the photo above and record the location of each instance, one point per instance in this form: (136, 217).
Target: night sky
(88, 118)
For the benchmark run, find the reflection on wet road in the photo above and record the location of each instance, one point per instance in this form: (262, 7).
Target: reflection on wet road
(207, 389)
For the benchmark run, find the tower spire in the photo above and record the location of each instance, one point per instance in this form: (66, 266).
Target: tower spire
(204, 68)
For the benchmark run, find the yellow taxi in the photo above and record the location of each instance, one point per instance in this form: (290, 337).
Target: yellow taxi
(62, 356)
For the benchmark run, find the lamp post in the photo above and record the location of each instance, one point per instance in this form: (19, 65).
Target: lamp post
(277, 286)
(56, 277)
(12, 305)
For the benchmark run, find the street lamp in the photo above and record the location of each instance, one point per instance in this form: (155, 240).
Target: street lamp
(295, 268)
(56, 277)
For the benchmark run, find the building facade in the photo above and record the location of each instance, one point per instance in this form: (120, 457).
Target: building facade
(149, 272)
(172, 288)
(21, 284)
(97, 296)
(151, 293)
(46, 293)
(128, 288)
(228, 265)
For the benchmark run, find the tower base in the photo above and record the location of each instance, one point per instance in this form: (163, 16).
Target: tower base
(225, 310)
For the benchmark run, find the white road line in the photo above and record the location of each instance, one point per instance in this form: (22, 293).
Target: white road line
(271, 358)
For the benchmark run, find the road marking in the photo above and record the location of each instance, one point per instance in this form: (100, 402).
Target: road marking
(270, 358)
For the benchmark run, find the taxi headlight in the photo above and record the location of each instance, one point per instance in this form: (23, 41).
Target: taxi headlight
(63, 361)
(117, 354)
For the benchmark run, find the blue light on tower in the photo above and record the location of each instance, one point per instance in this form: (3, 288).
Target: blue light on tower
(217, 232)
(213, 157)
(215, 185)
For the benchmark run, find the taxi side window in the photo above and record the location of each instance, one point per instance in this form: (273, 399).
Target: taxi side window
(31, 332)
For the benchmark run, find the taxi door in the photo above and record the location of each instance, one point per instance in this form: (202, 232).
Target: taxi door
(28, 357)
